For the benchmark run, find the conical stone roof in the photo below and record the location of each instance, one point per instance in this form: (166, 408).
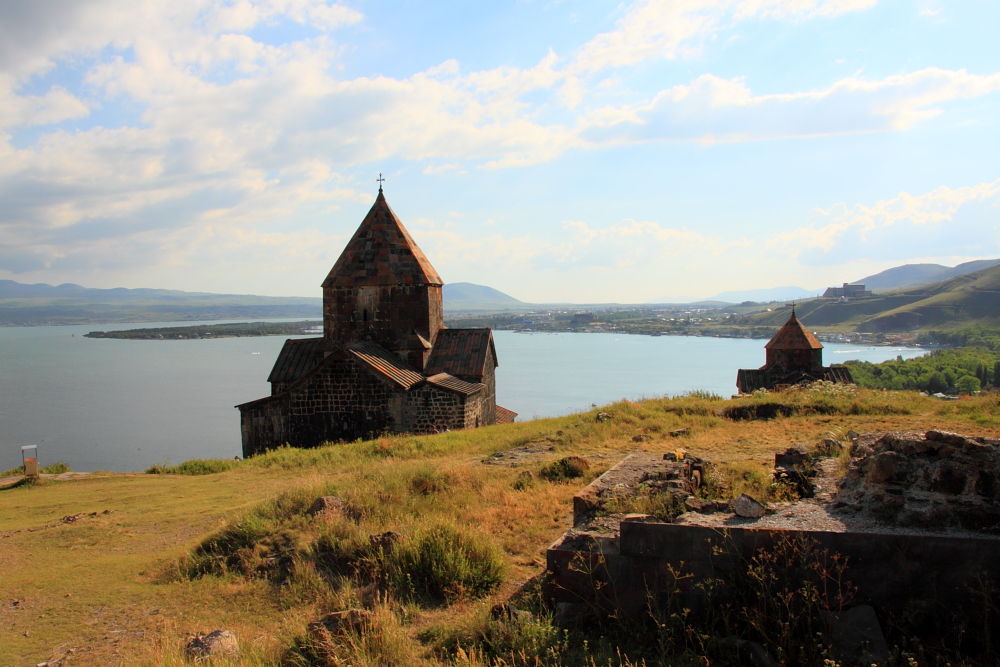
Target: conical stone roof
(794, 336)
(380, 253)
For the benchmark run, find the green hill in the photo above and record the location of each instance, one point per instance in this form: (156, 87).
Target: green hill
(962, 301)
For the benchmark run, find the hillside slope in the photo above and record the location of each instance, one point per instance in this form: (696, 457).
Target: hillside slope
(973, 298)
(918, 275)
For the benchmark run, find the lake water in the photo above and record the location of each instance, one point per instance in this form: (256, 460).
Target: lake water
(104, 404)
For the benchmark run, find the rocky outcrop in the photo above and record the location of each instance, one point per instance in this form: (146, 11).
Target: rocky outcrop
(935, 480)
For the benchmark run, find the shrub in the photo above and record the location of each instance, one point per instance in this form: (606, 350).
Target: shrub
(444, 563)
(570, 467)
(429, 482)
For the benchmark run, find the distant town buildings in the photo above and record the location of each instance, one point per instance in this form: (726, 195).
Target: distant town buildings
(793, 356)
(385, 363)
(847, 291)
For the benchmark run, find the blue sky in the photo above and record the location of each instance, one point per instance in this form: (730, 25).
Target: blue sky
(557, 151)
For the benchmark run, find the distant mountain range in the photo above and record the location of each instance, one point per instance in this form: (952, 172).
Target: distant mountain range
(25, 305)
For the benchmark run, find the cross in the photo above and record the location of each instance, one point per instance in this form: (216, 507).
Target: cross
(380, 181)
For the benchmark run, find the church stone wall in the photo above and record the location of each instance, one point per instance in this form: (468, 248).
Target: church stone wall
(264, 425)
(386, 313)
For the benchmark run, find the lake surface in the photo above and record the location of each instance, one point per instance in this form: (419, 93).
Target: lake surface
(104, 404)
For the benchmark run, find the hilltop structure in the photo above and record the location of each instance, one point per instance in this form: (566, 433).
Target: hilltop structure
(794, 356)
(385, 363)
(848, 290)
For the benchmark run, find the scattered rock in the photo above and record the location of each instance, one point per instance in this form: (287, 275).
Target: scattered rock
(679, 432)
(218, 643)
(856, 637)
(793, 467)
(747, 507)
(385, 541)
(332, 506)
(641, 437)
(603, 416)
(338, 623)
(525, 476)
(693, 504)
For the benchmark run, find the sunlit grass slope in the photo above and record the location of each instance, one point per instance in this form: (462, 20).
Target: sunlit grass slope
(119, 569)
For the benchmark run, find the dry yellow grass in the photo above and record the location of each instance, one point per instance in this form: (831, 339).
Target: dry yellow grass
(106, 586)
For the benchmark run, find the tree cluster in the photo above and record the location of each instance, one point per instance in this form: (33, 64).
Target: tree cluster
(960, 371)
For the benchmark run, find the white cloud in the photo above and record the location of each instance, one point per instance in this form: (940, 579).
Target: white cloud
(726, 110)
(961, 222)
(670, 28)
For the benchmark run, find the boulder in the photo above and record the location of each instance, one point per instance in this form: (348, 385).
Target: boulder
(603, 416)
(218, 643)
(747, 507)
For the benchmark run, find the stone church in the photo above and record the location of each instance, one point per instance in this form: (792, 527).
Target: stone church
(793, 356)
(385, 363)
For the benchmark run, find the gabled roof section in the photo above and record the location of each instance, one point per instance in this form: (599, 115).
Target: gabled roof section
(452, 383)
(794, 336)
(386, 364)
(505, 416)
(381, 252)
(297, 357)
(461, 352)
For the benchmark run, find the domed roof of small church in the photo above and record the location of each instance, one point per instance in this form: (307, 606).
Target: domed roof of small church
(794, 336)
(381, 252)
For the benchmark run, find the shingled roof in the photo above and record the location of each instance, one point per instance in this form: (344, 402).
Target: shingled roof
(297, 357)
(381, 252)
(794, 336)
(385, 364)
(452, 383)
(461, 352)
(505, 416)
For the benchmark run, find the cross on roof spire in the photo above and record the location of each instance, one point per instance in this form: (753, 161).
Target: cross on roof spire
(380, 181)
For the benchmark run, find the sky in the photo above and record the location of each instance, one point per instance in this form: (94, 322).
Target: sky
(559, 151)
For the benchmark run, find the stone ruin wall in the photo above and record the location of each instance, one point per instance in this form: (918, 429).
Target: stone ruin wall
(926, 505)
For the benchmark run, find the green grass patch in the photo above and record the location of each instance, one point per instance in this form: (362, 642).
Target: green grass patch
(568, 468)
(444, 563)
(194, 467)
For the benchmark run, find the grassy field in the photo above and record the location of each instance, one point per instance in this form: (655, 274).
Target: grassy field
(120, 568)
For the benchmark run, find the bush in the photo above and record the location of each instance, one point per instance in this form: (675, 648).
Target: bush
(444, 563)
(571, 467)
